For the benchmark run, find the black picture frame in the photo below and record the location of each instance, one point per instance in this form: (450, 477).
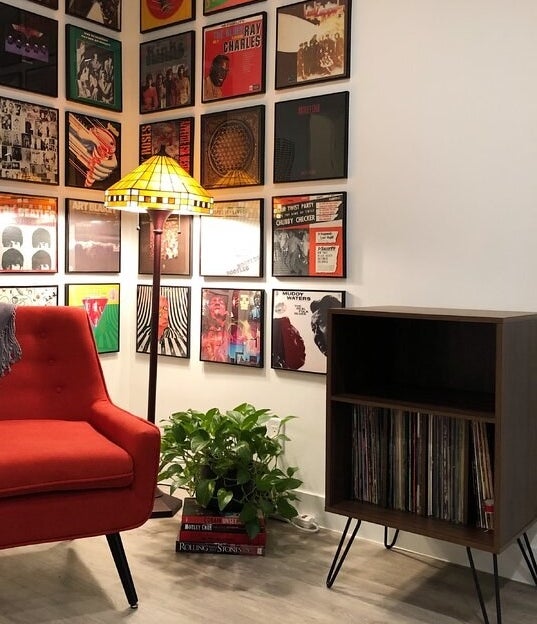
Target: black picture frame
(167, 73)
(42, 295)
(92, 237)
(93, 68)
(235, 229)
(155, 14)
(92, 151)
(311, 137)
(210, 7)
(233, 148)
(51, 4)
(29, 61)
(234, 58)
(28, 233)
(102, 305)
(106, 13)
(232, 326)
(177, 137)
(299, 328)
(176, 248)
(309, 235)
(174, 320)
(29, 150)
(313, 42)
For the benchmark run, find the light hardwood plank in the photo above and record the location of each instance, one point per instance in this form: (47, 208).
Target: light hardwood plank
(76, 583)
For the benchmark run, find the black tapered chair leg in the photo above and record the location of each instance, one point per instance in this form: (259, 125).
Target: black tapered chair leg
(122, 565)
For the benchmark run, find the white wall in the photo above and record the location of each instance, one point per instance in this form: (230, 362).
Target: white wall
(442, 196)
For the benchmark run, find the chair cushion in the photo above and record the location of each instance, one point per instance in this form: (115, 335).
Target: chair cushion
(52, 455)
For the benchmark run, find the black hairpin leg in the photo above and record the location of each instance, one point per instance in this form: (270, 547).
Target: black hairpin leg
(478, 588)
(392, 543)
(338, 560)
(529, 557)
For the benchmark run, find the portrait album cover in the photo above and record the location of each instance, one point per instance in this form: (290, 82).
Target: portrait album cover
(299, 328)
(29, 233)
(232, 326)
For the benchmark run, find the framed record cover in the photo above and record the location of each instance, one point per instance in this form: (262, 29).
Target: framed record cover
(177, 137)
(104, 12)
(167, 72)
(176, 249)
(234, 55)
(235, 229)
(93, 68)
(216, 6)
(92, 237)
(309, 235)
(101, 302)
(173, 337)
(155, 14)
(312, 42)
(29, 145)
(232, 326)
(29, 52)
(29, 233)
(311, 137)
(299, 326)
(29, 295)
(232, 148)
(92, 151)
(51, 4)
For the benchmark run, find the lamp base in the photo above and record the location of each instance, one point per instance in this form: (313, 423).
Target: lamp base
(164, 505)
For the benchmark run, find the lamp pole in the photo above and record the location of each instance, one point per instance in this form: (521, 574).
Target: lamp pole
(164, 505)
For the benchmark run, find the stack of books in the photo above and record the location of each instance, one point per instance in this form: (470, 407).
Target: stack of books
(206, 531)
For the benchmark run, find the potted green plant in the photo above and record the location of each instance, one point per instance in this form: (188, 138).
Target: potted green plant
(227, 461)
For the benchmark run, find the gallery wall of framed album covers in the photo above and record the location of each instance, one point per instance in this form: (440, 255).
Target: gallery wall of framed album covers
(231, 239)
(309, 235)
(232, 322)
(299, 326)
(234, 55)
(92, 237)
(101, 302)
(29, 233)
(173, 337)
(29, 53)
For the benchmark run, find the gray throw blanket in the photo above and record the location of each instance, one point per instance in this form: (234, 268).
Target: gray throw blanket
(10, 350)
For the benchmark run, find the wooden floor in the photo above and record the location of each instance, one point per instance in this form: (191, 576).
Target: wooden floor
(76, 583)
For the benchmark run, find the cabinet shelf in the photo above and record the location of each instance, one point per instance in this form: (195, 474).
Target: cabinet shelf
(466, 405)
(405, 521)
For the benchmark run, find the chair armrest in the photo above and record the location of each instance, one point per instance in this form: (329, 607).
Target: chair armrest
(139, 437)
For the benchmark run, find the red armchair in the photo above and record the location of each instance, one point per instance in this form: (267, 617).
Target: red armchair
(72, 464)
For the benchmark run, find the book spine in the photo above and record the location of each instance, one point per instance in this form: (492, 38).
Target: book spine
(215, 527)
(200, 519)
(227, 538)
(219, 548)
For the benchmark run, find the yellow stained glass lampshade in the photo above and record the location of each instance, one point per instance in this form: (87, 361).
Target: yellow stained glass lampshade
(159, 183)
